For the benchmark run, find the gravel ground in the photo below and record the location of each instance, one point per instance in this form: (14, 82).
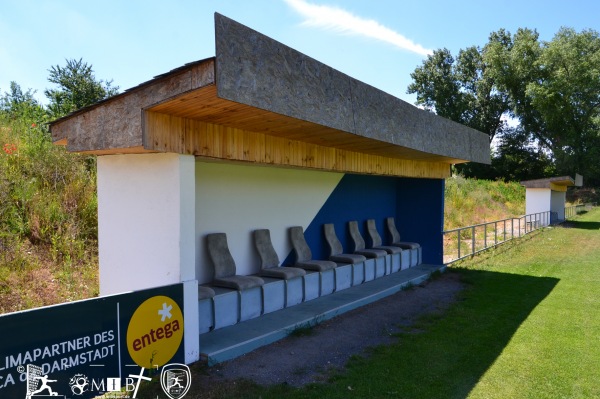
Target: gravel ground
(298, 360)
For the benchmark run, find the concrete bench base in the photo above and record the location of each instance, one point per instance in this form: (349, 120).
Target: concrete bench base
(294, 291)
(273, 294)
(405, 256)
(358, 273)
(227, 307)
(396, 262)
(343, 277)
(311, 285)
(205, 315)
(251, 303)
(380, 266)
(369, 270)
(327, 282)
(415, 256)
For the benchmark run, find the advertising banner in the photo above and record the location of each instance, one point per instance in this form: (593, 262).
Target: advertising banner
(106, 345)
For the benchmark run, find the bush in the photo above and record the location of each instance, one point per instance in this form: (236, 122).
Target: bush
(48, 209)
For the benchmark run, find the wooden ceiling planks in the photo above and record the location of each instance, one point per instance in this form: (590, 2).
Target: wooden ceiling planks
(204, 105)
(170, 133)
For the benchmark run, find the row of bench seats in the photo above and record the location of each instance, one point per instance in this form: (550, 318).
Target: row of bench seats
(233, 298)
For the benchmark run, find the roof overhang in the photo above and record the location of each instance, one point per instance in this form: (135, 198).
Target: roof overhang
(266, 91)
(559, 183)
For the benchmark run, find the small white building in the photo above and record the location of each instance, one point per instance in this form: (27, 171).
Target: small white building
(548, 195)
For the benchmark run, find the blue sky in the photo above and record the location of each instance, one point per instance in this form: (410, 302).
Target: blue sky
(379, 42)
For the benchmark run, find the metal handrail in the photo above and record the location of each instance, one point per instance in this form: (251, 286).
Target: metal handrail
(531, 222)
(571, 211)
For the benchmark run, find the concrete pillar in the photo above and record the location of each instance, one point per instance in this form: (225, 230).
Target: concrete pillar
(557, 203)
(146, 229)
(146, 214)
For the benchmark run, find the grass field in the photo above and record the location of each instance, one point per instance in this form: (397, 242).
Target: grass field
(526, 326)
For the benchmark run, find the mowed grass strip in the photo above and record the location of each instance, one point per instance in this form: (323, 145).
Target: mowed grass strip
(526, 326)
(555, 353)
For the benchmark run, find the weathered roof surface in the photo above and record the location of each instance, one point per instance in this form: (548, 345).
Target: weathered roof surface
(115, 124)
(564, 181)
(255, 70)
(260, 85)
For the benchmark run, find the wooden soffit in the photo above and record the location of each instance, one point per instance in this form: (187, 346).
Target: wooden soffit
(204, 105)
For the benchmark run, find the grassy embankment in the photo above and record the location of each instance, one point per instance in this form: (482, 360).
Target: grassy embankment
(48, 226)
(471, 201)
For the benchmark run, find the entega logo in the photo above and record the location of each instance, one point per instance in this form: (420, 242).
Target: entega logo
(155, 332)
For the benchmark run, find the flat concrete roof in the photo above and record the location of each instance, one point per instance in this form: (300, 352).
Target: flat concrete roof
(259, 85)
(564, 181)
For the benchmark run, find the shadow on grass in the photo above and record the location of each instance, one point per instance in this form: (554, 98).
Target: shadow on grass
(446, 356)
(576, 224)
(457, 347)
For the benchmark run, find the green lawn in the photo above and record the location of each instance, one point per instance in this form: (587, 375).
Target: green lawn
(526, 326)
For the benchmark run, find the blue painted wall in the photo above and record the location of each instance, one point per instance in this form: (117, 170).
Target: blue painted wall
(420, 215)
(238, 199)
(416, 204)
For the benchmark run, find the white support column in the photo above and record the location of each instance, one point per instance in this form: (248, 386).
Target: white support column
(557, 203)
(146, 221)
(191, 330)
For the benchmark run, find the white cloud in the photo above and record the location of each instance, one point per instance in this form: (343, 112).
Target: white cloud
(342, 21)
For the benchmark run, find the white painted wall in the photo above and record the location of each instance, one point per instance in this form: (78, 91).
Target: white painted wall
(237, 199)
(537, 200)
(557, 203)
(146, 221)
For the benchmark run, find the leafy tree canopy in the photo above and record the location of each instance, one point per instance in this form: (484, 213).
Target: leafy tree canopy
(18, 105)
(552, 89)
(77, 88)
(461, 89)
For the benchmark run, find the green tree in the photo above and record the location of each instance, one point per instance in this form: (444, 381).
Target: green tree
(16, 105)
(568, 98)
(518, 157)
(461, 89)
(551, 88)
(77, 88)
(555, 94)
(554, 89)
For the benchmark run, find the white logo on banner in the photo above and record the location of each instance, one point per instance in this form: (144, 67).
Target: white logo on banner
(175, 380)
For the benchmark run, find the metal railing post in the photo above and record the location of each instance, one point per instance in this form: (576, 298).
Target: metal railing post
(495, 233)
(473, 240)
(458, 235)
(485, 236)
(512, 228)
